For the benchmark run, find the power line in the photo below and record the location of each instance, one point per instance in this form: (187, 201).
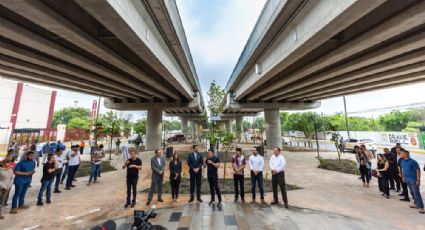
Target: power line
(418, 104)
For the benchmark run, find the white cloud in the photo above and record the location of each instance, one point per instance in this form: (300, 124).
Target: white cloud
(216, 42)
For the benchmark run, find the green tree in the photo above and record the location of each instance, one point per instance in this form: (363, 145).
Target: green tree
(258, 123)
(172, 125)
(215, 101)
(395, 120)
(109, 120)
(246, 125)
(78, 123)
(64, 115)
(140, 127)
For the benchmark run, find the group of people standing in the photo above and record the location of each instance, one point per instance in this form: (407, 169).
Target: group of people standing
(396, 171)
(57, 167)
(196, 163)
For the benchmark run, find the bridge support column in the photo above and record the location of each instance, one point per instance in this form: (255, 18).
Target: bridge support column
(239, 128)
(154, 129)
(273, 129)
(229, 126)
(239, 124)
(184, 123)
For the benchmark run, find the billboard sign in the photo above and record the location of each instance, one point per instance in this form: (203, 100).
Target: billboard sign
(404, 138)
(94, 108)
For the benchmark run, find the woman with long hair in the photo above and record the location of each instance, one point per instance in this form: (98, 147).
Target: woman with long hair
(175, 175)
(383, 175)
(363, 165)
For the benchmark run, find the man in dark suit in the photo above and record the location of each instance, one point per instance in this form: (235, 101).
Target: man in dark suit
(195, 170)
(158, 167)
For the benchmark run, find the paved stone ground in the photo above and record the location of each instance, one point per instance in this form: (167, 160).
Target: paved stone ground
(251, 217)
(328, 198)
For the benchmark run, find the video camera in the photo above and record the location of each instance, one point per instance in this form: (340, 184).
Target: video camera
(141, 219)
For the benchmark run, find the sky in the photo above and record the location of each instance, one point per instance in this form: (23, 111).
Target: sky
(217, 31)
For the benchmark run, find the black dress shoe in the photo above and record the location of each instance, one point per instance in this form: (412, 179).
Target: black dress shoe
(67, 188)
(133, 204)
(39, 203)
(73, 186)
(148, 203)
(200, 199)
(48, 201)
(160, 200)
(57, 191)
(274, 202)
(404, 199)
(191, 200)
(126, 205)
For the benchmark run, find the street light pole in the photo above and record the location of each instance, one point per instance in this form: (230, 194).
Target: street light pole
(315, 134)
(110, 144)
(346, 117)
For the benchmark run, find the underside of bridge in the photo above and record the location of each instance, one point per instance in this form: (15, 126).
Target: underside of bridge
(301, 52)
(133, 53)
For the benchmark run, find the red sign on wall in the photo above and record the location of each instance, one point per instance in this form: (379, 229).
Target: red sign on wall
(94, 108)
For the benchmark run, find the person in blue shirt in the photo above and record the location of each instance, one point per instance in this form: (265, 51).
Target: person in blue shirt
(23, 175)
(411, 175)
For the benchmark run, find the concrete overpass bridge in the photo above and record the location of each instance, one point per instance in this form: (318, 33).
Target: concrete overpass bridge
(133, 53)
(303, 51)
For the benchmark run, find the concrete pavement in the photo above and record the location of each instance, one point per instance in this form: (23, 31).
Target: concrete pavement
(326, 193)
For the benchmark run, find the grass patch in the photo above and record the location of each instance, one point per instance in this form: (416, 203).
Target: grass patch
(85, 168)
(346, 166)
(302, 149)
(225, 188)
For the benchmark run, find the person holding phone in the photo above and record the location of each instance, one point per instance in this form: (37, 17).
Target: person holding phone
(133, 166)
(213, 163)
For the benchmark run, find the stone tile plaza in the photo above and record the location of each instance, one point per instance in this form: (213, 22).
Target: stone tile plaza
(107, 121)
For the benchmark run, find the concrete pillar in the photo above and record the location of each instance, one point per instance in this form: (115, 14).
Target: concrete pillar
(222, 126)
(273, 129)
(154, 129)
(239, 124)
(184, 123)
(229, 125)
(190, 126)
(195, 130)
(239, 128)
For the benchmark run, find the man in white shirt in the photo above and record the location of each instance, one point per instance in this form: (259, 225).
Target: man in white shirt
(73, 163)
(256, 164)
(277, 166)
(60, 161)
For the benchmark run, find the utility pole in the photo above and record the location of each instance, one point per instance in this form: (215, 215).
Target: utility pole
(323, 126)
(346, 117)
(315, 134)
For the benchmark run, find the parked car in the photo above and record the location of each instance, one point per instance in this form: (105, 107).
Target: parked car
(354, 144)
(176, 138)
(299, 134)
